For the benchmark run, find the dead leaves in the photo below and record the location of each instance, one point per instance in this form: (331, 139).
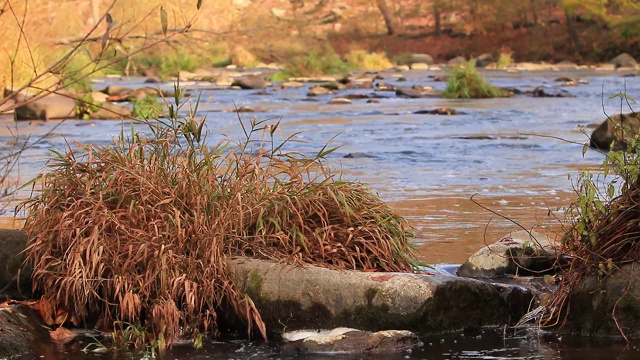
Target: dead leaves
(62, 335)
(52, 315)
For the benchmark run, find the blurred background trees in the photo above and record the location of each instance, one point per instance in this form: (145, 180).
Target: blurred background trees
(247, 32)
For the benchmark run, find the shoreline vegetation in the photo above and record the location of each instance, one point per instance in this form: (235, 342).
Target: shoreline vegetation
(134, 237)
(305, 38)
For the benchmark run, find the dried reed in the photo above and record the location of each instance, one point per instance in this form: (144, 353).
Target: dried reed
(139, 232)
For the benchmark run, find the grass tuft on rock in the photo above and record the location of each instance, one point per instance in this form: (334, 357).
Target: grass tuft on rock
(602, 233)
(465, 82)
(136, 235)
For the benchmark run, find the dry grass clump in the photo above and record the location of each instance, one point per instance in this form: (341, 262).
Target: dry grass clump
(139, 232)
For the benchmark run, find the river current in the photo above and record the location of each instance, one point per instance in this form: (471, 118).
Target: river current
(518, 157)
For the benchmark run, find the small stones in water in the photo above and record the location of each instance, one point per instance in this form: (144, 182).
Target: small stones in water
(318, 90)
(439, 111)
(340, 101)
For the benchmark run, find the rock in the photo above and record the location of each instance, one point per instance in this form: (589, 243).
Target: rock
(14, 277)
(117, 90)
(439, 111)
(52, 106)
(99, 97)
(541, 91)
(408, 92)
(250, 82)
(624, 60)
(243, 109)
(110, 111)
(402, 68)
(518, 253)
(291, 84)
(381, 86)
(313, 297)
(566, 65)
(420, 58)
(119, 94)
(618, 127)
(358, 155)
(153, 80)
(318, 90)
(340, 100)
(457, 61)
(356, 96)
(21, 329)
(6, 106)
(416, 91)
(419, 66)
(595, 301)
(334, 85)
(484, 60)
(353, 341)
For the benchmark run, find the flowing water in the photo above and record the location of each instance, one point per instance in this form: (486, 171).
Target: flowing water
(518, 157)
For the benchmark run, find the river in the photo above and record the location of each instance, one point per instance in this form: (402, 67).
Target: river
(517, 156)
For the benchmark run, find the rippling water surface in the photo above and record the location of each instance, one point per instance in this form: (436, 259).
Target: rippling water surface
(517, 156)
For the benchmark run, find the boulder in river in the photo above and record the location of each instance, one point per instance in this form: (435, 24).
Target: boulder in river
(518, 253)
(15, 279)
(52, 106)
(619, 128)
(293, 298)
(110, 111)
(624, 60)
(483, 60)
(457, 61)
(605, 305)
(250, 82)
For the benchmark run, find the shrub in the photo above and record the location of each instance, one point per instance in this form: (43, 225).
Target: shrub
(504, 60)
(465, 82)
(138, 232)
(147, 108)
(361, 60)
(316, 63)
(602, 234)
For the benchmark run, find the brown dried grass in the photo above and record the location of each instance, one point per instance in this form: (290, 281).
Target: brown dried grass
(139, 232)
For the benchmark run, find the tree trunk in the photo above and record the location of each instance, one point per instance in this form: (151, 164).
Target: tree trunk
(390, 20)
(573, 33)
(437, 16)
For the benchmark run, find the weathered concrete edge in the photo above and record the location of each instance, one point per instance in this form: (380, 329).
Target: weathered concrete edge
(293, 298)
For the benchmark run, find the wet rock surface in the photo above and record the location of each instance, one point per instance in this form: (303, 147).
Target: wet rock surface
(295, 298)
(518, 253)
(15, 279)
(353, 341)
(617, 127)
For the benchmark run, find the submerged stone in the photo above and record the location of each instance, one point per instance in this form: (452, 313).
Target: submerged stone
(352, 341)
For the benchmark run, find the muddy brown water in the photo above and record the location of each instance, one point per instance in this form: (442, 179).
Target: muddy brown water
(518, 157)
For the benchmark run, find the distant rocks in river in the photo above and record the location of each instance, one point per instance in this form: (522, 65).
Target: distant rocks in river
(439, 111)
(624, 61)
(250, 82)
(50, 107)
(457, 61)
(483, 60)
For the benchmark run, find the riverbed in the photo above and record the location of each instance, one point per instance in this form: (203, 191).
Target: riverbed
(517, 157)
